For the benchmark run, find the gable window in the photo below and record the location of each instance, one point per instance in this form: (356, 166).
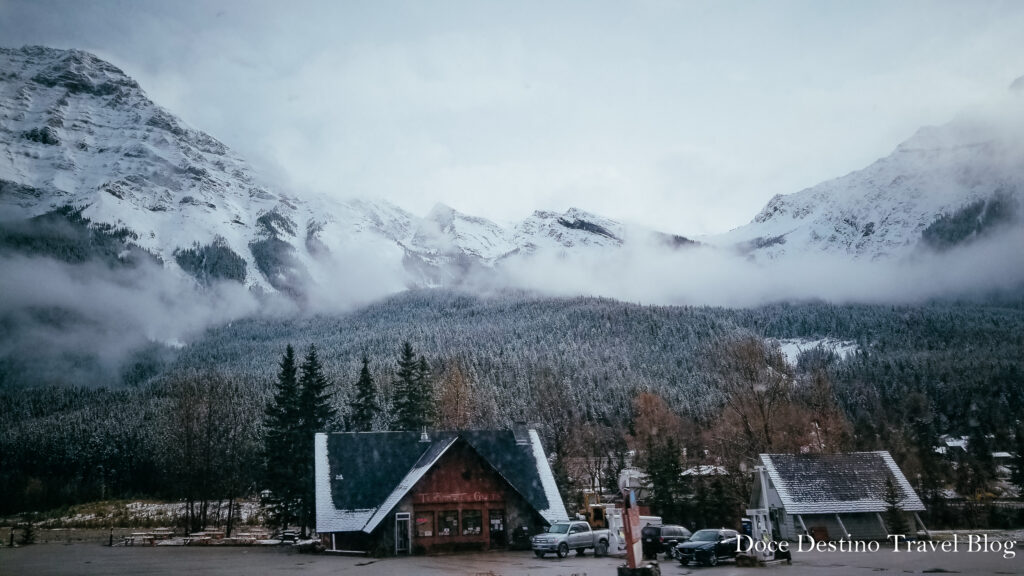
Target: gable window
(449, 525)
(472, 522)
(424, 524)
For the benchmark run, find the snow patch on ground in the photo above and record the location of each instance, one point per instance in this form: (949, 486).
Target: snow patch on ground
(792, 347)
(140, 513)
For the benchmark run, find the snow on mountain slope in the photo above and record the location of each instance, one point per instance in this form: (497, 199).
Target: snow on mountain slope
(76, 131)
(885, 209)
(574, 229)
(450, 231)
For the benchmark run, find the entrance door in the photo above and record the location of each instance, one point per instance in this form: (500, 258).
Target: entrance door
(402, 527)
(496, 519)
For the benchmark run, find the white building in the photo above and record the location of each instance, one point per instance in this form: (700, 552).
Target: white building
(831, 496)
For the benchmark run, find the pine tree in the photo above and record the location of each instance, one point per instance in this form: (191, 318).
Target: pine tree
(614, 465)
(364, 407)
(406, 409)
(315, 415)
(663, 474)
(1017, 469)
(315, 410)
(981, 462)
(894, 518)
(282, 460)
(423, 396)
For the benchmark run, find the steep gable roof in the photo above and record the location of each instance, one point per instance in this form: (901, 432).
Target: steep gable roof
(837, 483)
(361, 477)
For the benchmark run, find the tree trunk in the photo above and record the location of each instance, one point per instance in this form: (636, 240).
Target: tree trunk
(231, 513)
(202, 511)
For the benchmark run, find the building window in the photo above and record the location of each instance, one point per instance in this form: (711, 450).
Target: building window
(472, 522)
(424, 524)
(449, 523)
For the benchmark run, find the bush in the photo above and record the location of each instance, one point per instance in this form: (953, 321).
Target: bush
(28, 534)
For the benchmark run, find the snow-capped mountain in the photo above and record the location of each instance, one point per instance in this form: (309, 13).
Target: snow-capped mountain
(944, 185)
(575, 228)
(77, 132)
(450, 231)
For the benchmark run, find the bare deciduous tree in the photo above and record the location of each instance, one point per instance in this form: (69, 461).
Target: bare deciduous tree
(210, 439)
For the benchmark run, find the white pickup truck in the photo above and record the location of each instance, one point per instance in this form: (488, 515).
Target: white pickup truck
(574, 535)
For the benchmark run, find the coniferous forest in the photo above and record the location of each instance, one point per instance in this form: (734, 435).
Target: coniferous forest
(606, 383)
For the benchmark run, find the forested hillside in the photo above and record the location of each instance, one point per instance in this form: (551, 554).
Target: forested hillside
(921, 371)
(600, 350)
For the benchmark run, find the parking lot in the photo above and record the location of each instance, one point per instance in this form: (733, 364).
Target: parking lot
(92, 559)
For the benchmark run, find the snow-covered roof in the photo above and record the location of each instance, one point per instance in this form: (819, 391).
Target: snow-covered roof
(837, 483)
(705, 470)
(632, 478)
(556, 508)
(954, 442)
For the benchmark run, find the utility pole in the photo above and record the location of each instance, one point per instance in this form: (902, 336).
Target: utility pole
(631, 528)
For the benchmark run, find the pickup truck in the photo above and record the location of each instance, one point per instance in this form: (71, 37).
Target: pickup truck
(573, 535)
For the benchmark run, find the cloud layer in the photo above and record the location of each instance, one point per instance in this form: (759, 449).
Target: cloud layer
(684, 117)
(713, 277)
(78, 323)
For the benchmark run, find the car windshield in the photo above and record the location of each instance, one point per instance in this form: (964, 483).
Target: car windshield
(559, 529)
(705, 536)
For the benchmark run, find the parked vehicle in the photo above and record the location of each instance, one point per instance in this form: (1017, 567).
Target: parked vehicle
(708, 546)
(617, 541)
(574, 535)
(663, 539)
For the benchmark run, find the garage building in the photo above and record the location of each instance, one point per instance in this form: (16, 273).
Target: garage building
(831, 496)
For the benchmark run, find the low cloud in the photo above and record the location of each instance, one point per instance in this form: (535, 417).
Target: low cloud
(90, 323)
(355, 275)
(652, 274)
(74, 323)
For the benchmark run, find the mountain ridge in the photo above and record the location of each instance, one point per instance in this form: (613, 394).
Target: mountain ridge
(884, 209)
(79, 133)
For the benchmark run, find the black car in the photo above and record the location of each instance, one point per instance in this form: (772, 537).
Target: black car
(657, 539)
(708, 546)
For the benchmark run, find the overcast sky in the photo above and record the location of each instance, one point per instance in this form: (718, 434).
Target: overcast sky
(682, 116)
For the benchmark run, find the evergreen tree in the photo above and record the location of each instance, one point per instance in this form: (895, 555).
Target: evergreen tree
(894, 516)
(980, 461)
(1017, 470)
(282, 459)
(364, 407)
(315, 415)
(406, 409)
(663, 474)
(726, 505)
(614, 465)
(315, 410)
(423, 395)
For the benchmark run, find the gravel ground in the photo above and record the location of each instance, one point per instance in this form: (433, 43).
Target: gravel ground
(92, 559)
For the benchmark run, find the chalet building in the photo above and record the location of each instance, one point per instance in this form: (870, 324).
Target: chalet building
(830, 496)
(387, 493)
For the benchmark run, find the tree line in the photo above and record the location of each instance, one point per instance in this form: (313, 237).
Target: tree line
(591, 374)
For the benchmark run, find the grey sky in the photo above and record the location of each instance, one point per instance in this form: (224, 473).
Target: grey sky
(683, 116)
